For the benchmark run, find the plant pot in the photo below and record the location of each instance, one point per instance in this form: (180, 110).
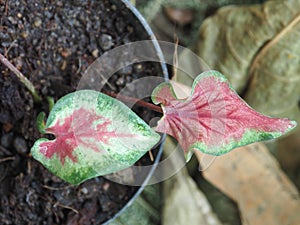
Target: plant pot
(53, 44)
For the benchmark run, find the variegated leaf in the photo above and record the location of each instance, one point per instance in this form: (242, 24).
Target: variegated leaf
(214, 119)
(94, 135)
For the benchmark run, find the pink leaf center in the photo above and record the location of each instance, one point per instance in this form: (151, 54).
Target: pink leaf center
(83, 128)
(214, 116)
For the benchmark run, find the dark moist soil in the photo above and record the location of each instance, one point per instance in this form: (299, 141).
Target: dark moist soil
(52, 43)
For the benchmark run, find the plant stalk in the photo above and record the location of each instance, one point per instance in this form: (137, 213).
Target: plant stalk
(135, 100)
(22, 78)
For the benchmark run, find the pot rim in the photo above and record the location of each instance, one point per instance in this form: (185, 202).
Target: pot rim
(165, 75)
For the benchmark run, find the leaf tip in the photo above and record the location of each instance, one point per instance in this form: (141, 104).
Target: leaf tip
(292, 124)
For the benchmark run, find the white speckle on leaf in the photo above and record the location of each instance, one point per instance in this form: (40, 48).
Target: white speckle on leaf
(43, 149)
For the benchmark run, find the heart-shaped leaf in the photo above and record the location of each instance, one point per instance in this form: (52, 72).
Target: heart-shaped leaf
(94, 135)
(214, 119)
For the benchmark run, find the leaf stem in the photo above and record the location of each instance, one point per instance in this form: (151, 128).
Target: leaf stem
(135, 100)
(22, 78)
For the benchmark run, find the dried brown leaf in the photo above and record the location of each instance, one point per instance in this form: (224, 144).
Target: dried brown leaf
(252, 177)
(257, 47)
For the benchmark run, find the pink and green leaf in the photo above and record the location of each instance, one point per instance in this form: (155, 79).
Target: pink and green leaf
(94, 135)
(214, 119)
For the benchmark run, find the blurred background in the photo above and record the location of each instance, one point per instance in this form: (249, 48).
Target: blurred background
(256, 45)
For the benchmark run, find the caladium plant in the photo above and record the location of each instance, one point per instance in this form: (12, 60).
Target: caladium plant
(97, 135)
